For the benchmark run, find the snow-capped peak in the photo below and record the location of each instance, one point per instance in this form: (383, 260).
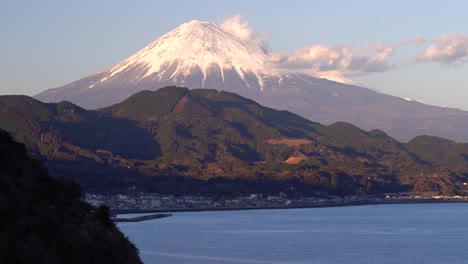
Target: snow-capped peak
(192, 45)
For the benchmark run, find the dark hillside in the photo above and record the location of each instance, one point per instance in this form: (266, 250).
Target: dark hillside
(42, 219)
(440, 151)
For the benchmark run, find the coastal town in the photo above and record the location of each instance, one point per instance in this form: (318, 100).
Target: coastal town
(157, 202)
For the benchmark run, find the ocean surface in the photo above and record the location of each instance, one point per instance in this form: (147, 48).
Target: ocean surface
(380, 234)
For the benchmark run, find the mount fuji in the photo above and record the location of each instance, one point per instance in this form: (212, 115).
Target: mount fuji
(203, 55)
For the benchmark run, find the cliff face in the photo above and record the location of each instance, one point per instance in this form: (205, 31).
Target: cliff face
(42, 219)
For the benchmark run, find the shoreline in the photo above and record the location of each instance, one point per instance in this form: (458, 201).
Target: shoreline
(324, 205)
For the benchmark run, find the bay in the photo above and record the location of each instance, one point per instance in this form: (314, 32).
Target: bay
(403, 233)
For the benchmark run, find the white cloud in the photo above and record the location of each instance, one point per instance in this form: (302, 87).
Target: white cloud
(237, 26)
(417, 40)
(448, 50)
(338, 59)
(339, 62)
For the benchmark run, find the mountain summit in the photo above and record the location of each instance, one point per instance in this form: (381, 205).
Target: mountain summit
(196, 48)
(203, 55)
(196, 54)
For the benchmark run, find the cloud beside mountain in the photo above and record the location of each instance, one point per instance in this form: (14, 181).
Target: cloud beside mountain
(239, 27)
(448, 50)
(339, 62)
(322, 58)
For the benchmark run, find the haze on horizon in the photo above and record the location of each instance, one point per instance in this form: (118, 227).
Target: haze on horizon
(413, 50)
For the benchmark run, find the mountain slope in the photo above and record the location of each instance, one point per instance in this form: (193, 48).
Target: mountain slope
(196, 54)
(210, 142)
(327, 102)
(44, 221)
(202, 55)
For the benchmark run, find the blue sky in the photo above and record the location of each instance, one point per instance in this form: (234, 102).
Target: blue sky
(413, 49)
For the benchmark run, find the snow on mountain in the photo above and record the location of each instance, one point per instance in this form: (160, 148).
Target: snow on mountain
(203, 55)
(193, 46)
(196, 55)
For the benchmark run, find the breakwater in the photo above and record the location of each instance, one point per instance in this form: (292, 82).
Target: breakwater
(140, 218)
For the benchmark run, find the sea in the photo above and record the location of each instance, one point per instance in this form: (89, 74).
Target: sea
(432, 233)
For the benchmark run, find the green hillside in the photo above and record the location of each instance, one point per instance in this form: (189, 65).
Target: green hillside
(439, 151)
(208, 142)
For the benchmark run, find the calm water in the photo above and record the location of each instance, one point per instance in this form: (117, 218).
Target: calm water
(381, 234)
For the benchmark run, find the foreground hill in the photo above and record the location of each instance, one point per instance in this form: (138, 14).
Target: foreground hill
(209, 142)
(43, 220)
(203, 55)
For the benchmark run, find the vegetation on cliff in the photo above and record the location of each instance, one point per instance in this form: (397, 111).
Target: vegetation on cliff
(43, 220)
